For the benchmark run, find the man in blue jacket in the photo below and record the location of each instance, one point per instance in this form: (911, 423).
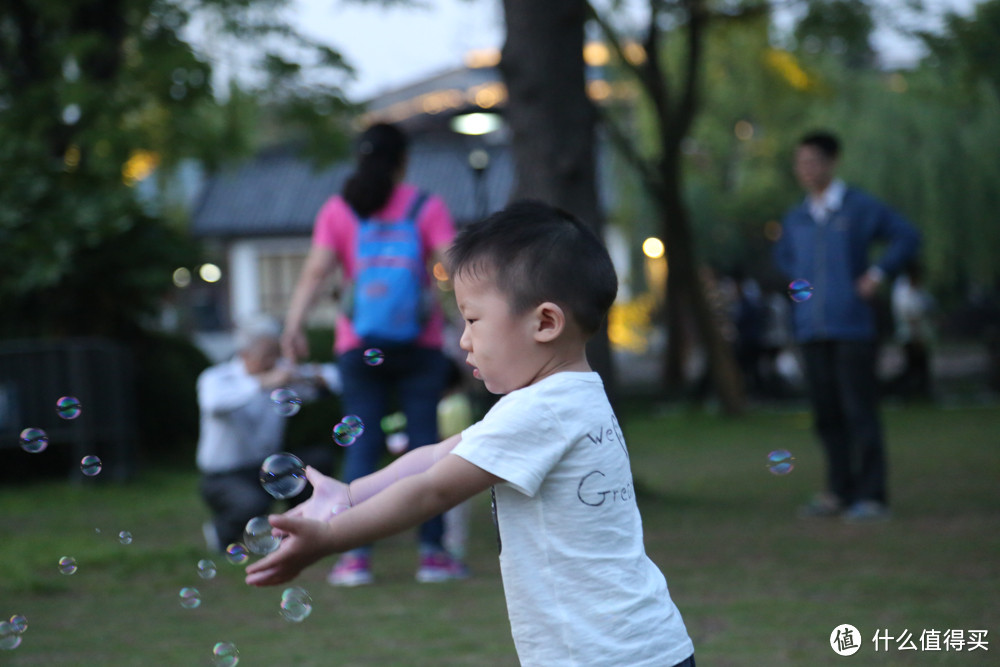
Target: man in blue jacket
(827, 240)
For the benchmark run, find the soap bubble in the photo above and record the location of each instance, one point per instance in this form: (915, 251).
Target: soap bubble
(10, 639)
(374, 356)
(236, 553)
(34, 440)
(67, 565)
(286, 402)
(258, 536)
(190, 598)
(19, 623)
(283, 475)
(206, 569)
(779, 462)
(343, 435)
(296, 604)
(68, 407)
(125, 537)
(90, 465)
(224, 654)
(800, 290)
(354, 423)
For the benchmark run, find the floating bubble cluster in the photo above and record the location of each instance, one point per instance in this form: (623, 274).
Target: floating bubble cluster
(779, 462)
(34, 440)
(236, 553)
(67, 565)
(224, 654)
(283, 475)
(348, 430)
(286, 402)
(374, 356)
(296, 604)
(800, 290)
(10, 638)
(68, 407)
(206, 569)
(190, 598)
(91, 465)
(258, 536)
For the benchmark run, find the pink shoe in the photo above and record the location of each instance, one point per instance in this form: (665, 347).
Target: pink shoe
(438, 566)
(351, 570)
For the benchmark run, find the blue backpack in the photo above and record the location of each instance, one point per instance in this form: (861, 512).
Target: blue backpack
(388, 304)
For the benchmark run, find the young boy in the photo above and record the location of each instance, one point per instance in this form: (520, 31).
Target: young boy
(533, 284)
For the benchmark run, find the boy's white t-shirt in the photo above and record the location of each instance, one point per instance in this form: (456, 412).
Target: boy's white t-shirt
(580, 589)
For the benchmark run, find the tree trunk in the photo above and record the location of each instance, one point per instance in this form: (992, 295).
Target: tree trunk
(685, 287)
(552, 121)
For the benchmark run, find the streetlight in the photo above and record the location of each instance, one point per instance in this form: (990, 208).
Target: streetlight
(478, 124)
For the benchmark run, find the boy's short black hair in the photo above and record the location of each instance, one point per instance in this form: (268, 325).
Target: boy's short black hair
(825, 142)
(537, 253)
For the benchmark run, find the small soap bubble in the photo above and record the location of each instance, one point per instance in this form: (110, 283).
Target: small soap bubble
(34, 440)
(354, 423)
(800, 290)
(337, 509)
(374, 356)
(206, 569)
(286, 402)
(296, 604)
(10, 639)
(779, 462)
(236, 553)
(19, 623)
(125, 537)
(90, 465)
(67, 565)
(283, 475)
(343, 435)
(190, 598)
(224, 654)
(258, 536)
(68, 407)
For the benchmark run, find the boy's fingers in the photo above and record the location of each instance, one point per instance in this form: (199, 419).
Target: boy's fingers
(314, 476)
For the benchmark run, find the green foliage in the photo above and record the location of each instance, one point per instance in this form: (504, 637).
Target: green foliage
(93, 98)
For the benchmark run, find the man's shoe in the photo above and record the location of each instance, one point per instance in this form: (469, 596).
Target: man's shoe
(866, 511)
(821, 506)
(351, 570)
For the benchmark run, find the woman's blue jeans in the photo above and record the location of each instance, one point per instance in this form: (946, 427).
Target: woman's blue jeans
(415, 377)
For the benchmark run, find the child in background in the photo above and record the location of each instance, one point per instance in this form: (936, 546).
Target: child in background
(532, 284)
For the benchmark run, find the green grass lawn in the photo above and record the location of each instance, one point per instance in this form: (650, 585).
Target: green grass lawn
(756, 586)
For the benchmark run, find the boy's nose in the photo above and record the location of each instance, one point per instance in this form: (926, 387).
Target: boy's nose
(464, 343)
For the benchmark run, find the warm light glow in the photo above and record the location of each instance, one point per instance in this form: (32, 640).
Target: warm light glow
(475, 124)
(653, 248)
(599, 90)
(139, 166)
(182, 277)
(785, 64)
(634, 53)
(72, 157)
(478, 58)
(210, 273)
(595, 54)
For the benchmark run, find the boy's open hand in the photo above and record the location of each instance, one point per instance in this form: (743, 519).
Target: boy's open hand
(301, 547)
(329, 497)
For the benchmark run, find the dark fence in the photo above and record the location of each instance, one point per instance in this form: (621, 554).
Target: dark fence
(34, 374)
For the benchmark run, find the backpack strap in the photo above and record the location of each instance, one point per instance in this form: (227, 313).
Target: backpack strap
(417, 204)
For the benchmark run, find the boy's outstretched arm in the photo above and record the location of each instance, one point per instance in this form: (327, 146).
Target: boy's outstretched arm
(406, 503)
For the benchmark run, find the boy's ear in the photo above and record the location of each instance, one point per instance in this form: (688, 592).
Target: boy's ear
(550, 321)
